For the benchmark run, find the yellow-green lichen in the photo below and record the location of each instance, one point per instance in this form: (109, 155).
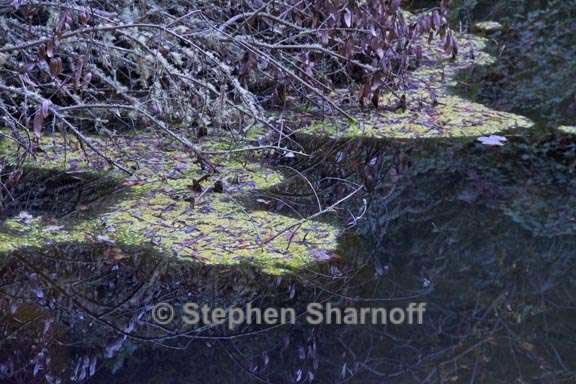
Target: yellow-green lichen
(15, 233)
(216, 227)
(159, 206)
(433, 110)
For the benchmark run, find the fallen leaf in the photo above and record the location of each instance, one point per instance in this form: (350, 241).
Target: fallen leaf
(493, 140)
(53, 228)
(24, 217)
(105, 239)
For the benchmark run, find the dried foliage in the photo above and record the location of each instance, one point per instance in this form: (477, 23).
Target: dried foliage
(88, 66)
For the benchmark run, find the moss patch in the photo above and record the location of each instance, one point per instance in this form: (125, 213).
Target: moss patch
(433, 111)
(159, 205)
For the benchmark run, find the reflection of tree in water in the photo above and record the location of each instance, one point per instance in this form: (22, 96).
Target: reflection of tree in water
(77, 310)
(481, 237)
(70, 313)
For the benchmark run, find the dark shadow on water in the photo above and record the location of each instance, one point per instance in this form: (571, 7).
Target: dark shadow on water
(527, 78)
(79, 311)
(55, 193)
(485, 235)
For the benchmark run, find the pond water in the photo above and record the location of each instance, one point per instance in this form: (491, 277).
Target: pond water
(484, 236)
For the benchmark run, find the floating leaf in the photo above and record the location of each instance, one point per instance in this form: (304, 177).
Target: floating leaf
(493, 140)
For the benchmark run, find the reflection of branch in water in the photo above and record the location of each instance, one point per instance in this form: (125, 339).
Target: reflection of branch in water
(451, 334)
(311, 217)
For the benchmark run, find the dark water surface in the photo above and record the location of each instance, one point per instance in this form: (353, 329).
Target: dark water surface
(485, 236)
